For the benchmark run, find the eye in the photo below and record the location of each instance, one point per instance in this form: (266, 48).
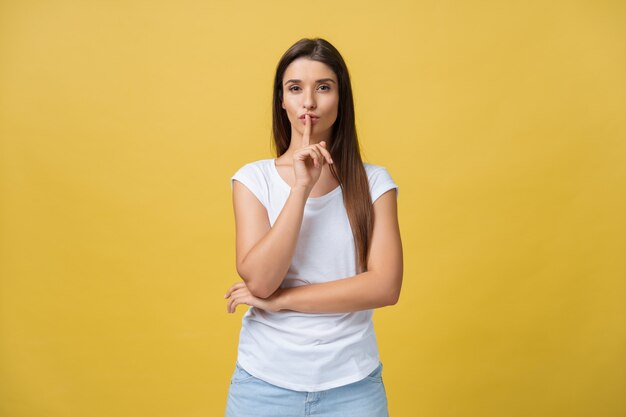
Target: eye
(327, 87)
(292, 87)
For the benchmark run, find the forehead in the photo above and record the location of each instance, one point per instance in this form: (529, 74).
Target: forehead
(308, 70)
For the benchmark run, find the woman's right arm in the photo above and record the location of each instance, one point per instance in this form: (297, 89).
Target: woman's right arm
(264, 253)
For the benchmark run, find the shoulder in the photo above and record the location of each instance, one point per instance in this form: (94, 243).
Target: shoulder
(257, 166)
(254, 175)
(380, 180)
(372, 168)
(252, 170)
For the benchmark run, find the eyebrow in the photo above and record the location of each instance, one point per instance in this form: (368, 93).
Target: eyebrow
(318, 81)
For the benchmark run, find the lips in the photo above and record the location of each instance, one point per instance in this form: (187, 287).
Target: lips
(311, 115)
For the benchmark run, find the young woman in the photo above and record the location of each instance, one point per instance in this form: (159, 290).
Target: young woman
(318, 248)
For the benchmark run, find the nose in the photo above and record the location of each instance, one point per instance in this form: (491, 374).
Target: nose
(309, 100)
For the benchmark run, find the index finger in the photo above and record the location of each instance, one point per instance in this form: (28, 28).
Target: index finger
(234, 287)
(307, 130)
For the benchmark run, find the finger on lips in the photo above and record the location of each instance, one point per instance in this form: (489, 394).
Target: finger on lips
(307, 130)
(319, 147)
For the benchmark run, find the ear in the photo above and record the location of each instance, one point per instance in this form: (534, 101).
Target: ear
(282, 104)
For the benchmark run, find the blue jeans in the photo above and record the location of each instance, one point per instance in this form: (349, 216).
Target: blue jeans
(249, 396)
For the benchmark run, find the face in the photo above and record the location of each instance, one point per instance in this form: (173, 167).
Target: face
(311, 87)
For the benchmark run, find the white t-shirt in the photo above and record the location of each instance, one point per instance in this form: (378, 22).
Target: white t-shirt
(304, 351)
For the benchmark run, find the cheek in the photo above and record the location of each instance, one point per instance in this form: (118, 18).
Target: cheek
(289, 107)
(332, 104)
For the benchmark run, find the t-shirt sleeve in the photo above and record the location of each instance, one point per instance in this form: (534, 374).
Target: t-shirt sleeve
(380, 182)
(253, 179)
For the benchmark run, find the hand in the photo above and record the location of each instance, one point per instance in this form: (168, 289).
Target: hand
(240, 294)
(308, 160)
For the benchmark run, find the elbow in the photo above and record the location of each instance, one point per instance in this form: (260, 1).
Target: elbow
(255, 283)
(393, 293)
(387, 297)
(259, 290)
(392, 298)
(386, 285)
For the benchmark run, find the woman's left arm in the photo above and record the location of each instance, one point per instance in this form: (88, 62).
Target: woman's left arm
(378, 287)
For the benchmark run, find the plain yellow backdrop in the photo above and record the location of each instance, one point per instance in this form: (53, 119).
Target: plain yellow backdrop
(503, 124)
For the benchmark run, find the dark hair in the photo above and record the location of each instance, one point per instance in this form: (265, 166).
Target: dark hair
(347, 165)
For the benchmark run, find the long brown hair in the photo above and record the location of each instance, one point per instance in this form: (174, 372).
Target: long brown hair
(347, 165)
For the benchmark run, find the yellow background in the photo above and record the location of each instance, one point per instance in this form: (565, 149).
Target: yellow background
(503, 123)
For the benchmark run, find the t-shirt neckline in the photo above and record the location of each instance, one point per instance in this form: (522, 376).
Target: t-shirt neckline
(287, 187)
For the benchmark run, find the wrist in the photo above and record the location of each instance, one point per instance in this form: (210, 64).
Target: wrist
(301, 188)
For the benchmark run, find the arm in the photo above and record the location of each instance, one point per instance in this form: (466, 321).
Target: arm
(378, 287)
(264, 253)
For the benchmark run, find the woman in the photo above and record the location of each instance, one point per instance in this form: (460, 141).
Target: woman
(318, 247)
